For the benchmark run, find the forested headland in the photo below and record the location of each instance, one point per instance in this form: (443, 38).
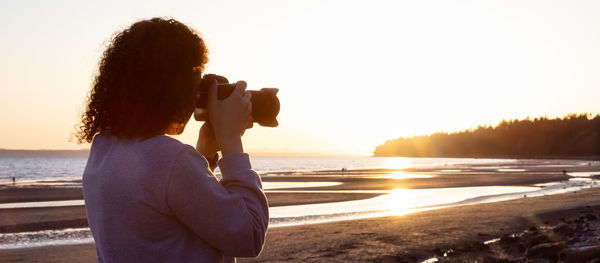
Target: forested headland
(572, 136)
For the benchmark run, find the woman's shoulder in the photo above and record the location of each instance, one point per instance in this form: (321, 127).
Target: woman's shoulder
(159, 155)
(157, 146)
(165, 145)
(163, 141)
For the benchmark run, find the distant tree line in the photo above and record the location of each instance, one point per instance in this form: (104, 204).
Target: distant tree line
(575, 135)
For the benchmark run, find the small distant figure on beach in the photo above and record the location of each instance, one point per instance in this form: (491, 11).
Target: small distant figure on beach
(14, 180)
(564, 172)
(343, 171)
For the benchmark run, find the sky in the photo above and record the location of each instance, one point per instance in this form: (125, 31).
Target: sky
(351, 74)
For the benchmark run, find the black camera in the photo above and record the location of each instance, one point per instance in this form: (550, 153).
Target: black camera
(265, 104)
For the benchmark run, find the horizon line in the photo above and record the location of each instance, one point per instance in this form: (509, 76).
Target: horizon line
(85, 152)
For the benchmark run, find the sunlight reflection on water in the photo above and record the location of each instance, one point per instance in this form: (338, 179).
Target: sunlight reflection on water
(42, 204)
(584, 174)
(511, 170)
(398, 202)
(402, 175)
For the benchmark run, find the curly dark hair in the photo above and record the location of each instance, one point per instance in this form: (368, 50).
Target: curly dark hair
(146, 82)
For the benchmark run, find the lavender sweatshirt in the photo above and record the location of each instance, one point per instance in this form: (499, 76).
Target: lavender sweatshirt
(156, 200)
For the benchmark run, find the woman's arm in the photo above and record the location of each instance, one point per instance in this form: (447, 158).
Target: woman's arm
(232, 215)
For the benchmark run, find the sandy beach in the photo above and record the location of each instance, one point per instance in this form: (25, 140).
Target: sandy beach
(458, 232)
(407, 238)
(420, 236)
(43, 218)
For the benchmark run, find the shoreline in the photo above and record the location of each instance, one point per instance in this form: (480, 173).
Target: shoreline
(407, 238)
(418, 236)
(373, 179)
(50, 218)
(402, 238)
(362, 184)
(6, 181)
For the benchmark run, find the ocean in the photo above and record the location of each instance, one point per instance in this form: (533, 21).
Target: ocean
(34, 168)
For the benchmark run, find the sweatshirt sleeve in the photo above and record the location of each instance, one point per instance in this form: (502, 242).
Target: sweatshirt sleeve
(231, 215)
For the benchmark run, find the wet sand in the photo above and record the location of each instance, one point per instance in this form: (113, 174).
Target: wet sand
(38, 194)
(418, 236)
(34, 219)
(370, 180)
(448, 180)
(44, 218)
(407, 238)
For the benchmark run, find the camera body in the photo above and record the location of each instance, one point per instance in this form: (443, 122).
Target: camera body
(265, 104)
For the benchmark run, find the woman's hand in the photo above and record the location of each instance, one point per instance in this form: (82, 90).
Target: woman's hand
(229, 117)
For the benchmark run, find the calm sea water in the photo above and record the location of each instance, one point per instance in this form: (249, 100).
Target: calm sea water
(53, 168)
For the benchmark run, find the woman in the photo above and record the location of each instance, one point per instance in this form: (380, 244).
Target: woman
(150, 198)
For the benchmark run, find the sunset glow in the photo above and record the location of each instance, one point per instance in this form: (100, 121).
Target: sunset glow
(351, 74)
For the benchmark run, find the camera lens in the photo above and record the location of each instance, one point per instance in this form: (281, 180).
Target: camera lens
(265, 104)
